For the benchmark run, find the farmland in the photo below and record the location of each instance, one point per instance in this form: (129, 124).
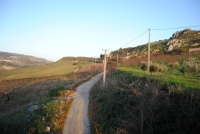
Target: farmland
(41, 86)
(52, 69)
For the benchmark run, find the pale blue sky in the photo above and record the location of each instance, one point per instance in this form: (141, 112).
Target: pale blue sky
(53, 29)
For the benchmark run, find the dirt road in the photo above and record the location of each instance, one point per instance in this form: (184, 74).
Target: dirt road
(77, 121)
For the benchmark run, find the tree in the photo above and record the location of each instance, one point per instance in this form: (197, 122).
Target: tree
(120, 51)
(102, 56)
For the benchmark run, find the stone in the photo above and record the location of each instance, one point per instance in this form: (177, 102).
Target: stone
(33, 108)
(43, 119)
(174, 43)
(146, 85)
(48, 129)
(195, 44)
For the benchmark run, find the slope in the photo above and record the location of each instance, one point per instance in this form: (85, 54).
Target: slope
(12, 60)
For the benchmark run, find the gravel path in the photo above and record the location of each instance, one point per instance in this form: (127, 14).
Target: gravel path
(77, 121)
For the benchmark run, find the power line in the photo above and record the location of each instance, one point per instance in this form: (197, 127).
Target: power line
(158, 29)
(134, 39)
(176, 27)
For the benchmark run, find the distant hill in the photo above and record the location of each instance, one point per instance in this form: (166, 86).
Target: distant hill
(12, 60)
(180, 42)
(78, 59)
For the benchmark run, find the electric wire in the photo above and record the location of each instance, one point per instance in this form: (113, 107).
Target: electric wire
(176, 28)
(158, 29)
(134, 39)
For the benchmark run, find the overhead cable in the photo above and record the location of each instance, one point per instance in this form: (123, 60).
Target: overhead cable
(176, 27)
(158, 29)
(134, 39)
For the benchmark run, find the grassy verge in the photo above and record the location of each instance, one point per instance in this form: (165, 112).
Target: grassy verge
(135, 102)
(51, 112)
(170, 77)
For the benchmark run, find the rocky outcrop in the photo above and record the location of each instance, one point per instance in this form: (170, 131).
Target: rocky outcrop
(155, 51)
(185, 38)
(174, 43)
(180, 34)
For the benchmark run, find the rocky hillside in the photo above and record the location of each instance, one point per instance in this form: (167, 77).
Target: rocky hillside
(12, 60)
(184, 39)
(180, 42)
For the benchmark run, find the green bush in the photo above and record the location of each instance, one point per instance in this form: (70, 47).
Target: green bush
(144, 66)
(75, 63)
(55, 92)
(158, 67)
(39, 125)
(191, 66)
(175, 65)
(154, 67)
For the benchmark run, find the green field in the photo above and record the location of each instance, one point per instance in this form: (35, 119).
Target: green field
(53, 69)
(170, 77)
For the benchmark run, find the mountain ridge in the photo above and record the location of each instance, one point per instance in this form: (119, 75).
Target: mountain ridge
(14, 60)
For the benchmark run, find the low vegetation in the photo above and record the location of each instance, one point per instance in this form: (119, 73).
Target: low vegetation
(134, 102)
(174, 65)
(154, 67)
(191, 66)
(42, 115)
(40, 104)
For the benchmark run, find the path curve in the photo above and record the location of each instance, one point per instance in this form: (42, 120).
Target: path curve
(77, 121)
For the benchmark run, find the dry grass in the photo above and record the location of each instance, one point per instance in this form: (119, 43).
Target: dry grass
(23, 91)
(129, 104)
(64, 111)
(28, 91)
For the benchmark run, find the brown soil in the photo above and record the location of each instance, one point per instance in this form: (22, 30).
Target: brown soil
(24, 91)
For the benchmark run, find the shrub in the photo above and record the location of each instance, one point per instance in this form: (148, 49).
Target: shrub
(191, 66)
(39, 125)
(55, 92)
(143, 66)
(154, 67)
(175, 65)
(161, 67)
(75, 63)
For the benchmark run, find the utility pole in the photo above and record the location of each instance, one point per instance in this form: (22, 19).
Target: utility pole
(104, 71)
(148, 68)
(117, 60)
(95, 65)
(95, 60)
